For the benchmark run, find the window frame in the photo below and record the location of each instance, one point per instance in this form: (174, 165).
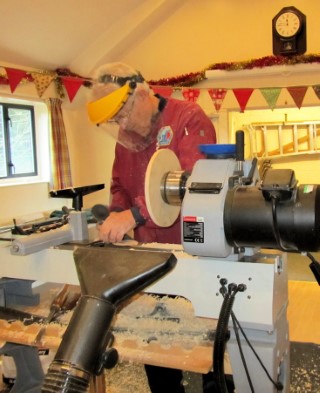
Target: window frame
(41, 140)
(7, 137)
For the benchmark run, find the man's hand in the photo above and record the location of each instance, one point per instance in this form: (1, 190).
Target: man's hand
(116, 225)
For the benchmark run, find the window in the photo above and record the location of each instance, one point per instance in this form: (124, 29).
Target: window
(17, 141)
(24, 141)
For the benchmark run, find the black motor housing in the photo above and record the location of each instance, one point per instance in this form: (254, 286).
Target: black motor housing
(251, 220)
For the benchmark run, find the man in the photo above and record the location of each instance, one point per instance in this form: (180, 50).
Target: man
(147, 122)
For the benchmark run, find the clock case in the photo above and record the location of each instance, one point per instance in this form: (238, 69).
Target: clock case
(294, 45)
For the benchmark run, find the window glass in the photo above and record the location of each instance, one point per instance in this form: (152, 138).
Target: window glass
(21, 141)
(24, 141)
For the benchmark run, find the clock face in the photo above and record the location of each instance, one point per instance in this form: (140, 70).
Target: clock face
(287, 24)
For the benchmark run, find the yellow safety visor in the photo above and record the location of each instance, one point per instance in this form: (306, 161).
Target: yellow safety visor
(106, 107)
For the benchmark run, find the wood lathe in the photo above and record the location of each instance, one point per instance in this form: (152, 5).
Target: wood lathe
(232, 266)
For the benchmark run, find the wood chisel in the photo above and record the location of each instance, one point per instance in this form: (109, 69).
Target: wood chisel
(55, 307)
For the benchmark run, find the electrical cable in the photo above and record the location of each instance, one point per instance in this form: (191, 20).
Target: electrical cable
(275, 228)
(314, 266)
(219, 347)
(236, 331)
(222, 332)
(221, 338)
(277, 385)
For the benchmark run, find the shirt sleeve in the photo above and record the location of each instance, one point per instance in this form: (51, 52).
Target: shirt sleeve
(120, 197)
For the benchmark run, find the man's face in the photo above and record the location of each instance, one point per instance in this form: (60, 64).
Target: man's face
(136, 114)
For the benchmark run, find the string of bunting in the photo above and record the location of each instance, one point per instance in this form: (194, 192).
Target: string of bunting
(69, 82)
(270, 94)
(62, 78)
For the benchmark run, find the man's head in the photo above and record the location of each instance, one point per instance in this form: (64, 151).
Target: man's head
(114, 85)
(120, 94)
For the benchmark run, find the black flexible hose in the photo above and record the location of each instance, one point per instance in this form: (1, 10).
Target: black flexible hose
(221, 338)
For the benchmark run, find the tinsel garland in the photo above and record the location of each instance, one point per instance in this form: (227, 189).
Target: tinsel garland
(66, 72)
(191, 79)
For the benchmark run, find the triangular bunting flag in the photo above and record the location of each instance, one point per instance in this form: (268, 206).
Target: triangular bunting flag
(242, 96)
(41, 81)
(3, 80)
(191, 94)
(316, 89)
(72, 85)
(217, 96)
(14, 77)
(298, 93)
(164, 91)
(271, 95)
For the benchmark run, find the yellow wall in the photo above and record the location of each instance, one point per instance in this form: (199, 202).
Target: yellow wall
(197, 34)
(203, 32)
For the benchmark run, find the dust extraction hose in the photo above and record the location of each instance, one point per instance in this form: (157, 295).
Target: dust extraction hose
(107, 277)
(76, 358)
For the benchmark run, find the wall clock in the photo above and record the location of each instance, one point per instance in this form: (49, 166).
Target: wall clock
(289, 32)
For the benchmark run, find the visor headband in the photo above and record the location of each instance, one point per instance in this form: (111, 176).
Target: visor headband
(122, 80)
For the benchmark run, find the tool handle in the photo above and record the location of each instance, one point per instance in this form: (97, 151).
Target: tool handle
(56, 306)
(59, 300)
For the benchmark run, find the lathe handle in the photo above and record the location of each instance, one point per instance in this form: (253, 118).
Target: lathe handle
(240, 145)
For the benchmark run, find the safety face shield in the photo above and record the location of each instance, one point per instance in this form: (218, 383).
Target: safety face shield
(107, 107)
(127, 121)
(128, 139)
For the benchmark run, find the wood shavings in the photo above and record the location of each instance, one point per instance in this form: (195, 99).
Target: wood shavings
(163, 331)
(127, 377)
(305, 360)
(166, 319)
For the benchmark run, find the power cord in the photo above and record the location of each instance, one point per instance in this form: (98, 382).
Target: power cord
(222, 332)
(236, 331)
(221, 338)
(278, 385)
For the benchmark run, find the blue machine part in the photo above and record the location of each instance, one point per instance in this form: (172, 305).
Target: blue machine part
(218, 150)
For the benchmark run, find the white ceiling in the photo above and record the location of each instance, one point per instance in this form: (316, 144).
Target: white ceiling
(75, 34)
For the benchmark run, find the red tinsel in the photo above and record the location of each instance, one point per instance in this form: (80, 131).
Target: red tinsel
(181, 81)
(191, 79)
(267, 61)
(67, 72)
